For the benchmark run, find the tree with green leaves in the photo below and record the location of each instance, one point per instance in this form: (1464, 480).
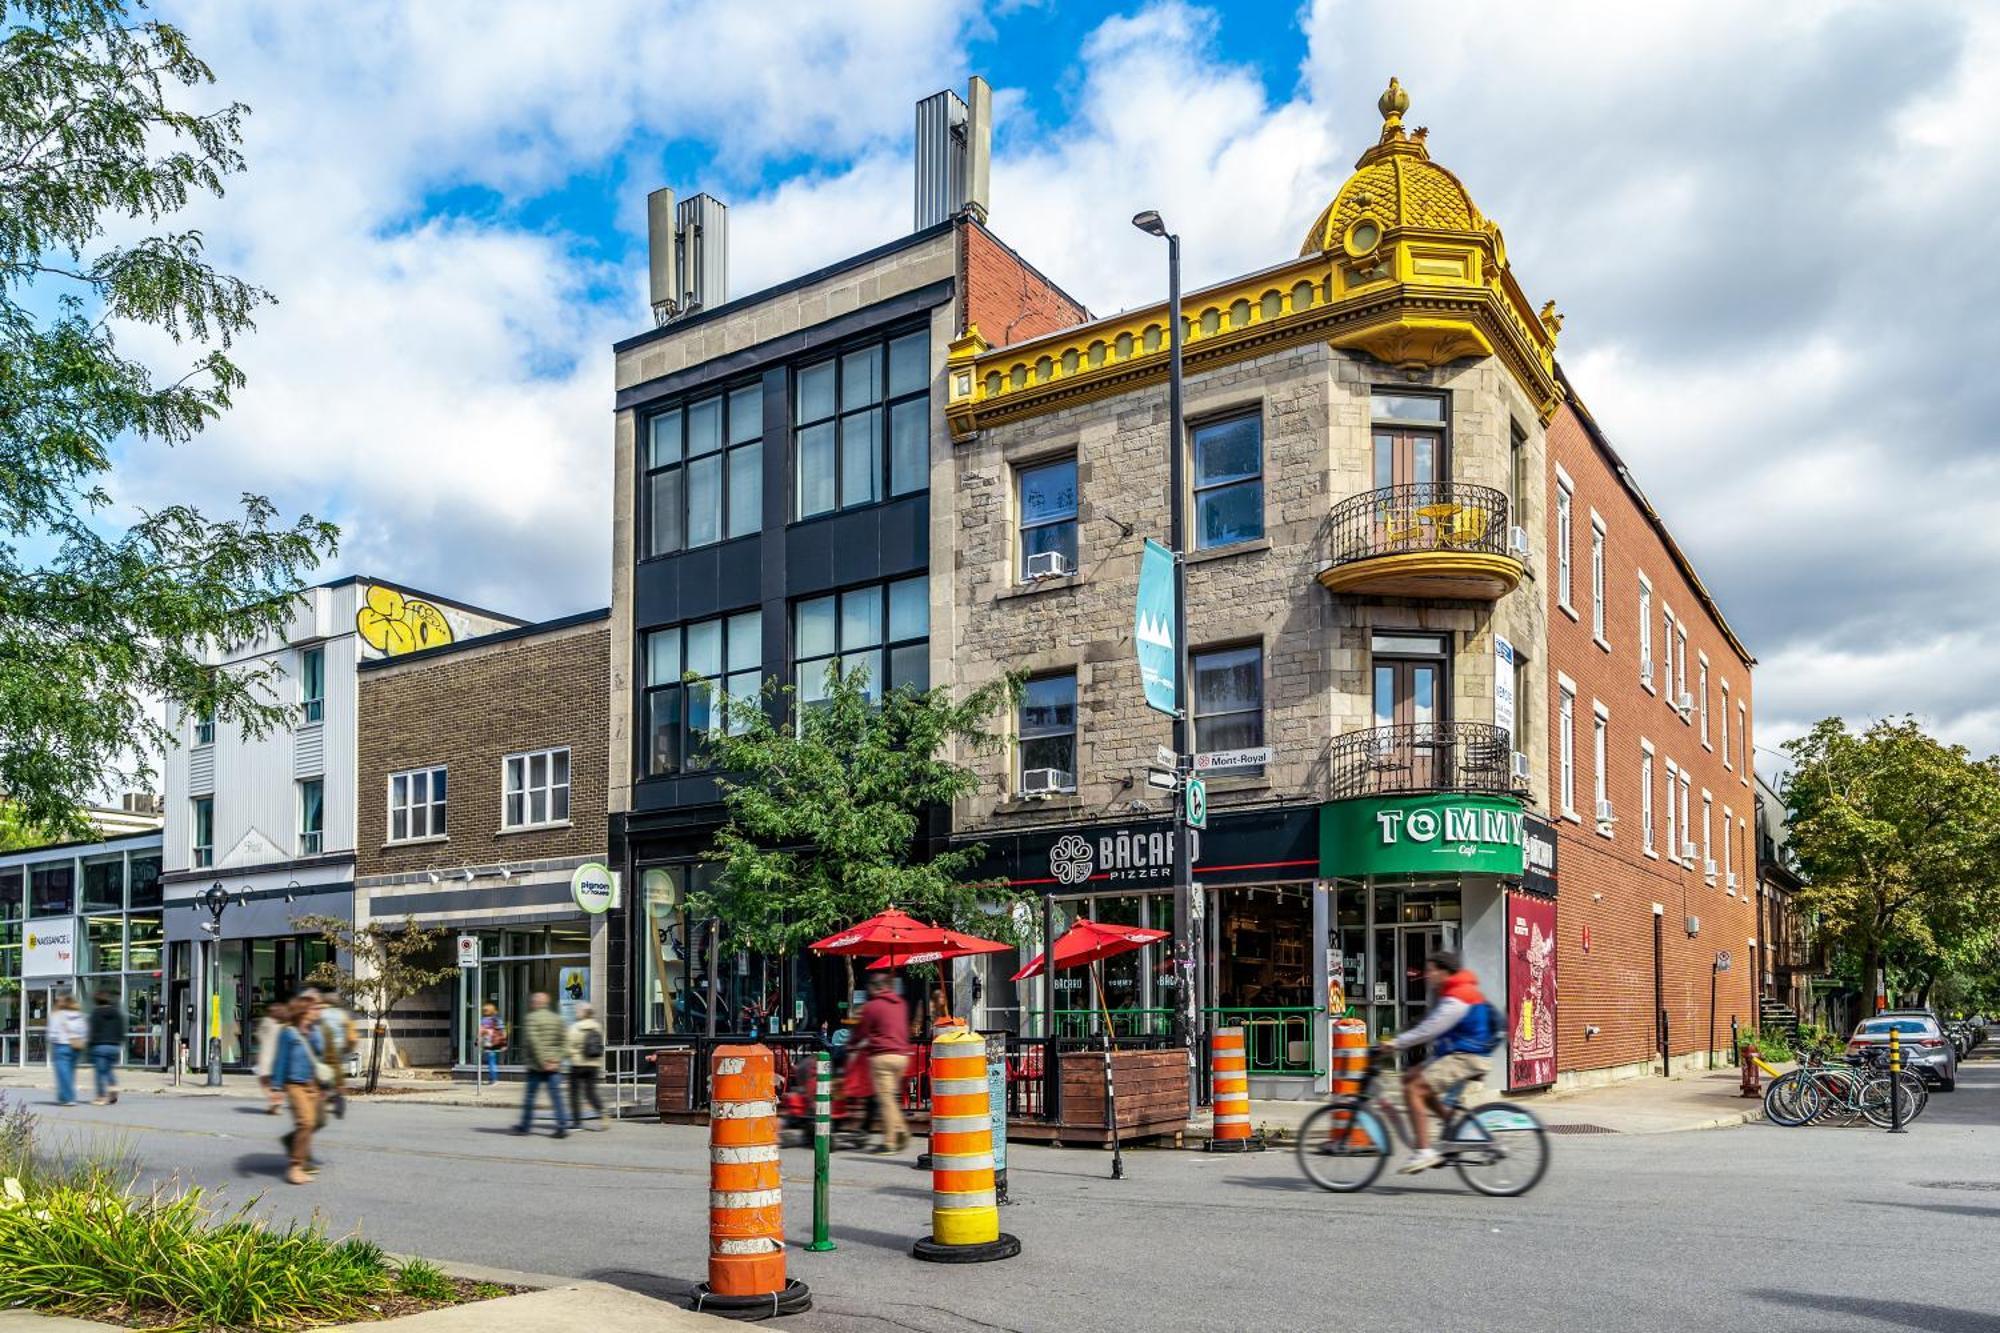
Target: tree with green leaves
(825, 813)
(391, 963)
(1898, 837)
(97, 153)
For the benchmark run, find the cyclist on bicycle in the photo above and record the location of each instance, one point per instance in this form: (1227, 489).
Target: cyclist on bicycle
(1459, 1030)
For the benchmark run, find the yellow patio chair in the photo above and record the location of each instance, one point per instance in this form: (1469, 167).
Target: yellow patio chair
(1467, 528)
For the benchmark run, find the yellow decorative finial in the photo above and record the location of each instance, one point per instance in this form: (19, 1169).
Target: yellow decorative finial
(1392, 104)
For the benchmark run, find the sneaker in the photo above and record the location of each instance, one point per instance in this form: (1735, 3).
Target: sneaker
(340, 1106)
(114, 1096)
(295, 1176)
(99, 1101)
(1423, 1159)
(562, 1133)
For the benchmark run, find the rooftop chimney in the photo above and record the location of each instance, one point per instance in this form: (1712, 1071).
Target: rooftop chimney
(687, 254)
(954, 154)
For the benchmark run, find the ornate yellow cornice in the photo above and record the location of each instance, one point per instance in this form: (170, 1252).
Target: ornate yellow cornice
(1400, 266)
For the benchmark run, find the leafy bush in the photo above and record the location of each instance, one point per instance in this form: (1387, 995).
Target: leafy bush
(425, 1281)
(1773, 1045)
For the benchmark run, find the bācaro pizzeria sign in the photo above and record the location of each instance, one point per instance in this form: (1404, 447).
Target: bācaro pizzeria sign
(1122, 856)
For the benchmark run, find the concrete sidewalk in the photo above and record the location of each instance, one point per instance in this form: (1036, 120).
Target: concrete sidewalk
(1636, 1106)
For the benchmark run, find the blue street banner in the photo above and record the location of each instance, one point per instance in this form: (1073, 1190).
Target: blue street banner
(1153, 627)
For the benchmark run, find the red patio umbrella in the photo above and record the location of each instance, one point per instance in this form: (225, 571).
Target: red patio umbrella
(1088, 941)
(894, 930)
(955, 944)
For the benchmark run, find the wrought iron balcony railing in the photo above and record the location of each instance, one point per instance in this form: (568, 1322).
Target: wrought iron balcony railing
(1422, 757)
(1422, 516)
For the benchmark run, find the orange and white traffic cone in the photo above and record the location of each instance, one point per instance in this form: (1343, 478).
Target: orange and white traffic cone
(746, 1211)
(965, 1212)
(1350, 1065)
(1229, 1068)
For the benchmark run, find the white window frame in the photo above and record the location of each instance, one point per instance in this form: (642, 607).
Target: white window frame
(1707, 833)
(1701, 700)
(1597, 630)
(1600, 742)
(1687, 814)
(1743, 738)
(1646, 663)
(201, 855)
(204, 728)
(1681, 667)
(1565, 538)
(440, 811)
(1728, 815)
(1673, 825)
(1646, 813)
(1566, 748)
(521, 761)
(319, 834)
(312, 708)
(1723, 685)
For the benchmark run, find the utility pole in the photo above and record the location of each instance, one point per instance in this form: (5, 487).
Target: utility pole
(1188, 914)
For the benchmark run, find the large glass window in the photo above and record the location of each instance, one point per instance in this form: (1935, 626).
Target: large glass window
(728, 656)
(203, 846)
(1048, 518)
(312, 816)
(704, 475)
(537, 788)
(1229, 700)
(1048, 734)
(52, 888)
(104, 883)
(145, 881)
(863, 425)
(1228, 481)
(1564, 540)
(883, 629)
(312, 684)
(12, 908)
(1566, 751)
(672, 996)
(204, 727)
(416, 804)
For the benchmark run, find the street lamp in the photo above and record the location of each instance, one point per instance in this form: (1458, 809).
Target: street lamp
(217, 902)
(1187, 909)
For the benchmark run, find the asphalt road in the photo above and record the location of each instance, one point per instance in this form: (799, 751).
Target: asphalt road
(1753, 1227)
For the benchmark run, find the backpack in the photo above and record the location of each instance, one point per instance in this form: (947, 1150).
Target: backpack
(1495, 1024)
(593, 1045)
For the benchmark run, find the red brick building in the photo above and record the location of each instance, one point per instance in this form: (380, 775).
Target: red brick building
(1651, 787)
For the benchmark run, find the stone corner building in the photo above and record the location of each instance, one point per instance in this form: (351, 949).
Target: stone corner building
(1373, 559)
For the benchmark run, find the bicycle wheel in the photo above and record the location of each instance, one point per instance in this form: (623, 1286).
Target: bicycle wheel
(1790, 1100)
(1919, 1090)
(1839, 1093)
(1343, 1145)
(1499, 1150)
(1874, 1100)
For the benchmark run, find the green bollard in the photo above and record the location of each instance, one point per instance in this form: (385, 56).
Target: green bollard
(822, 1152)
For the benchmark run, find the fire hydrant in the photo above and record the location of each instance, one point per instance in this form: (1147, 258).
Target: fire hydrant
(1753, 1082)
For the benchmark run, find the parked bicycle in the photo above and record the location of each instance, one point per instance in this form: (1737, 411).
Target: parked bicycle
(1819, 1092)
(1497, 1149)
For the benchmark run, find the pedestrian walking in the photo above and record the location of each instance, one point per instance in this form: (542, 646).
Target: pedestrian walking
(547, 1045)
(68, 1036)
(337, 1038)
(267, 1051)
(884, 1037)
(107, 1043)
(295, 1074)
(586, 1064)
(492, 1039)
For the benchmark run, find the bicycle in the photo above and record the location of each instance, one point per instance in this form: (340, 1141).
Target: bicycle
(1818, 1091)
(1498, 1149)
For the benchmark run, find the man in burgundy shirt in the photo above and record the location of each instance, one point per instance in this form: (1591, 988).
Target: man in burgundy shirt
(884, 1037)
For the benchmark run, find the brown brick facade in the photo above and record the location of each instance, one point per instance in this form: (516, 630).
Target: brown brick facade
(467, 709)
(1004, 297)
(1609, 883)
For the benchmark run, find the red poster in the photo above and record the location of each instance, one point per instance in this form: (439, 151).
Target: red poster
(1531, 990)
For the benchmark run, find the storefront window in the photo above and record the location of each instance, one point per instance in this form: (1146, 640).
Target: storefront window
(52, 888)
(145, 881)
(144, 940)
(11, 905)
(663, 948)
(103, 944)
(104, 884)
(514, 965)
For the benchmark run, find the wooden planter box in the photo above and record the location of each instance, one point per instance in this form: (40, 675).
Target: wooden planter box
(1152, 1088)
(673, 1087)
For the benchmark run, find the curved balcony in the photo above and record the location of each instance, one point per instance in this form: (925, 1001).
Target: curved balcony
(1425, 539)
(1421, 757)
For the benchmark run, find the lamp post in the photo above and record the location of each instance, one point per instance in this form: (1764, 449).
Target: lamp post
(217, 901)
(1187, 908)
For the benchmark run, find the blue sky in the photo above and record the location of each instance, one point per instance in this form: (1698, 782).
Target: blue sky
(1755, 218)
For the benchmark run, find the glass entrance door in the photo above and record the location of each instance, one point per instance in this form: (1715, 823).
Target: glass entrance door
(41, 1000)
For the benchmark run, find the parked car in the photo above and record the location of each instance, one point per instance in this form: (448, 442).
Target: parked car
(1927, 1049)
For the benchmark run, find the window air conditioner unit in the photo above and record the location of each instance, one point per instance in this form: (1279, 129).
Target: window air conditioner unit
(1708, 868)
(1520, 767)
(1694, 926)
(1687, 851)
(1517, 541)
(1604, 813)
(1046, 781)
(1684, 703)
(1047, 565)
(1646, 670)
(1732, 879)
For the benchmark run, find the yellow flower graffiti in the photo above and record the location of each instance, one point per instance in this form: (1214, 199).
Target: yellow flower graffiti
(395, 624)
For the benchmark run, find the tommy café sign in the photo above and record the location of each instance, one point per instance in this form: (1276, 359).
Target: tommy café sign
(1420, 835)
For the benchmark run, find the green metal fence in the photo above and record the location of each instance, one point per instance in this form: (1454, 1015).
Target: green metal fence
(1079, 1023)
(1276, 1040)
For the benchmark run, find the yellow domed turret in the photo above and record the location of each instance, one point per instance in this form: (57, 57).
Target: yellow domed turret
(1395, 184)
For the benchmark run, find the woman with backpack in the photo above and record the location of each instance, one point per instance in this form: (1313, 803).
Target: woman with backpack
(586, 1063)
